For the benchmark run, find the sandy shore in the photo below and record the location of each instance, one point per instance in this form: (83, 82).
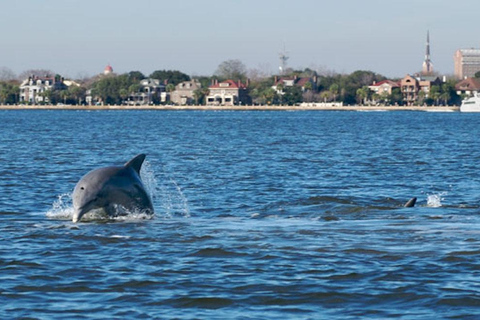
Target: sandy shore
(265, 108)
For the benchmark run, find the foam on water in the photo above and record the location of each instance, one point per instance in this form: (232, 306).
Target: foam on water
(435, 200)
(62, 208)
(165, 191)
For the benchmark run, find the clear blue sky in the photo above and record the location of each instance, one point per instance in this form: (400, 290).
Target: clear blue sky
(80, 37)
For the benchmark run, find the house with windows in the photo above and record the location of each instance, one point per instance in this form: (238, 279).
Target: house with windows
(34, 89)
(304, 83)
(151, 92)
(228, 93)
(384, 88)
(414, 86)
(468, 87)
(184, 93)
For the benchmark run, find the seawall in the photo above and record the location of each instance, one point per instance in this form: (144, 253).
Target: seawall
(264, 108)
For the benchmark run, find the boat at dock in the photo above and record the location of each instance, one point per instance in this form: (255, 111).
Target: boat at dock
(471, 104)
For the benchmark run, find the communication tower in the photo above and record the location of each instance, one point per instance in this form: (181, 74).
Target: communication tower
(283, 60)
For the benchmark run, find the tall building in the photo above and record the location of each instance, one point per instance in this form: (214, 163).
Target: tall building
(466, 63)
(427, 68)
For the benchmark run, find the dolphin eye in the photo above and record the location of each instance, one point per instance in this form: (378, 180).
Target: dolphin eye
(82, 188)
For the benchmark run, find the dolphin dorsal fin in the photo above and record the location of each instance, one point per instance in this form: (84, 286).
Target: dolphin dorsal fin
(411, 203)
(136, 162)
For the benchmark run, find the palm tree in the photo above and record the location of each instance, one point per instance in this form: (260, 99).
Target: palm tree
(334, 90)
(170, 87)
(445, 97)
(123, 94)
(325, 95)
(362, 94)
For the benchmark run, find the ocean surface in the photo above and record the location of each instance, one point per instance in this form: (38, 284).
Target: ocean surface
(258, 215)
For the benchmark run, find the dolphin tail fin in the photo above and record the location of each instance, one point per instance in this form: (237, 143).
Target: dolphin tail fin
(411, 203)
(136, 162)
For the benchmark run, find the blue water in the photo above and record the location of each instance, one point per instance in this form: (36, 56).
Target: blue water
(259, 215)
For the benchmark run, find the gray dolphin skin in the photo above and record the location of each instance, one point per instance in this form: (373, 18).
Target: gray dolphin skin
(410, 203)
(111, 188)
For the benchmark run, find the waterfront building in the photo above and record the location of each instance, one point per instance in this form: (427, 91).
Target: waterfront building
(227, 93)
(468, 87)
(150, 93)
(301, 82)
(184, 92)
(466, 63)
(33, 90)
(414, 86)
(384, 88)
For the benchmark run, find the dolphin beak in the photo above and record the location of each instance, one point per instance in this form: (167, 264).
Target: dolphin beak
(78, 214)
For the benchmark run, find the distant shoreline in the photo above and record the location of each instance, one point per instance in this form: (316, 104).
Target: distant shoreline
(236, 108)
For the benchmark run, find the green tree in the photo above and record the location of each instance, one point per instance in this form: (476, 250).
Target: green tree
(64, 95)
(123, 94)
(9, 92)
(269, 96)
(334, 90)
(135, 76)
(76, 94)
(445, 97)
(308, 86)
(108, 88)
(448, 88)
(170, 76)
(362, 95)
(421, 97)
(395, 98)
(199, 95)
(49, 96)
(292, 95)
(325, 96)
(170, 87)
(435, 93)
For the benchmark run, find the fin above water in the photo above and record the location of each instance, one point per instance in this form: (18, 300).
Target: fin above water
(411, 203)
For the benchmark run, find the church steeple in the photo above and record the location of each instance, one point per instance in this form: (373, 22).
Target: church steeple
(427, 63)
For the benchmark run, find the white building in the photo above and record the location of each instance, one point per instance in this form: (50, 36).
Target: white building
(33, 89)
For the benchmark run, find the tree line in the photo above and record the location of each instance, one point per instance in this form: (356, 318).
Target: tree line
(349, 89)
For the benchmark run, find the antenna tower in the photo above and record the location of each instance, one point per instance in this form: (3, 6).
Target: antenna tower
(283, 60)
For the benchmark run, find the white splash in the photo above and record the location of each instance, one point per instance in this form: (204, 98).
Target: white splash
(62, 208)
(165, 191)
(435, 200)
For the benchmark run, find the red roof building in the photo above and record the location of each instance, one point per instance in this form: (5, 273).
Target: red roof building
(469, 86)
(384, 87)
(227, 93)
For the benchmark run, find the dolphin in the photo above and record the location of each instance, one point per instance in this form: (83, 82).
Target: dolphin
(115, 190)
(411, 203)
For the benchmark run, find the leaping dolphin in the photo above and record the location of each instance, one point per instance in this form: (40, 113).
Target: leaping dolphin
(112, 189)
